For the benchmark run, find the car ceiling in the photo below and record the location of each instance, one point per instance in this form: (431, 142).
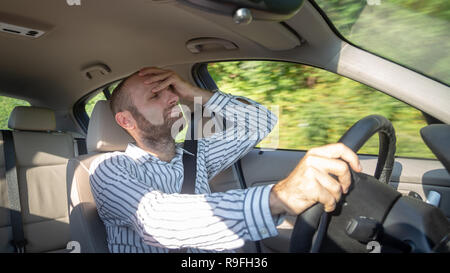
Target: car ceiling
(127, 35)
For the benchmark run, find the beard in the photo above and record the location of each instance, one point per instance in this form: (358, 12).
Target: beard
(151, 133)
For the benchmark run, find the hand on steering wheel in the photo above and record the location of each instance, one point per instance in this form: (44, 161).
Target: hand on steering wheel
(312, 180)
(311, 226)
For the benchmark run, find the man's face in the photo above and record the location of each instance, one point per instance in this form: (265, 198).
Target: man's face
(154, 113)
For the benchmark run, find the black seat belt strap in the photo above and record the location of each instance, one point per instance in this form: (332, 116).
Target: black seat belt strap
(190, 166)
(190, 169)
(15, 210)
(190, 162)
(81, 145)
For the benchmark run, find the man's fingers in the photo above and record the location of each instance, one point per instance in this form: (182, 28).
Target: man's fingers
(157, 78)
(164, 84)
(321, 189)
(330, 184)
(332, 166)
(326, 198)
(338, 150)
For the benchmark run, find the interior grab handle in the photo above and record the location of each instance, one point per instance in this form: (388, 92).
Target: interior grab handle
(96, 70)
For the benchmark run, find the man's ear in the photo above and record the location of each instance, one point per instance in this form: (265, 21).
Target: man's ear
(125, 120)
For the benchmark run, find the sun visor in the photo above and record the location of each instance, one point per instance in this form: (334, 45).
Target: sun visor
(267, 10)
(265, 31)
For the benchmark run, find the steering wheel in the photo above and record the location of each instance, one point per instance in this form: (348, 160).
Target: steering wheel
(314, 225)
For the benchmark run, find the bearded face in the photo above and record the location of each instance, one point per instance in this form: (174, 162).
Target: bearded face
(156, 132)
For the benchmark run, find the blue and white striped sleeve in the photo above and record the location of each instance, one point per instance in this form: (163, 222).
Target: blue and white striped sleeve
(246, 126)
(218, 221)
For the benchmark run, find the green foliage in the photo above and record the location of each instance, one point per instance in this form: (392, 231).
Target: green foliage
(7, 104)
(91, 103)
(316, 107)
(100, 96)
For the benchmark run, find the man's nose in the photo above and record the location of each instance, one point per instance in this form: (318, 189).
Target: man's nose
(172, 97)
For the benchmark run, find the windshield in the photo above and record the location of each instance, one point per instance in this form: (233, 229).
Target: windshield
(413, 33)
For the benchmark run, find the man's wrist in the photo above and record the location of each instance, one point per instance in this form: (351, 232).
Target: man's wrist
(204, 94)
(275, 204)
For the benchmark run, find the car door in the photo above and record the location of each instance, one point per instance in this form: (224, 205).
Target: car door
(315, 107)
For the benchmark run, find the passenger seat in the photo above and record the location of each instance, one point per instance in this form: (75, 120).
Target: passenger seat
(42, 155)
(104, 135)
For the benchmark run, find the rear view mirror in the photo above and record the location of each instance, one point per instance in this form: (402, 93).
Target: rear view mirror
(243, 11)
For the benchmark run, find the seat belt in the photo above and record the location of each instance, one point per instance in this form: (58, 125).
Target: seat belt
(190, 161)
(190, 166)
(81, 146)
(15, 210)
(190, 170)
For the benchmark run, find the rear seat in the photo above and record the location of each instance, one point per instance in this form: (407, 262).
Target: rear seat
(41, 157)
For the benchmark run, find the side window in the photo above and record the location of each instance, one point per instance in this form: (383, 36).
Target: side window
(91, 103)
(100, 96)
(316, 107)
(7, 104)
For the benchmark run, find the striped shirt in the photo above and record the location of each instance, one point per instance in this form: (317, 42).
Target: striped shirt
(137, 195)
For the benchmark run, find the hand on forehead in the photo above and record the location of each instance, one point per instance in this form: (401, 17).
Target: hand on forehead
(139, 82)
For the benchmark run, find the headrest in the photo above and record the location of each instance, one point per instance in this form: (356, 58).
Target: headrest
(104, 134)
(30, 118)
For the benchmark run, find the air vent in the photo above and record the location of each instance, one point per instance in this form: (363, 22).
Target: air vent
(22, 31)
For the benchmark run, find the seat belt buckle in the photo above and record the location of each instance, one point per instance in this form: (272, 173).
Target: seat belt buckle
(19, 246)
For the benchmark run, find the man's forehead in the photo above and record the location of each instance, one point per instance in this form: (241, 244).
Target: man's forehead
(136, 83)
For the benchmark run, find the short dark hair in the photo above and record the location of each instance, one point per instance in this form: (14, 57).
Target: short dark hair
(120, 100)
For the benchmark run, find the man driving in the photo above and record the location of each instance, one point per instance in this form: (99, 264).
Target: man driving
(137, 192)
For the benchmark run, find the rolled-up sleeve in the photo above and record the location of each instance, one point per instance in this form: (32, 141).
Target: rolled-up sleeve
(246, 126)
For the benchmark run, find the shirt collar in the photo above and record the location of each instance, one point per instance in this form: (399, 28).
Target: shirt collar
(142, 156)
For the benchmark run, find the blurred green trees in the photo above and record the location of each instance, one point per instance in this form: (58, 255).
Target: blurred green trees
(7, 104)
(317, 106)
(91, 103)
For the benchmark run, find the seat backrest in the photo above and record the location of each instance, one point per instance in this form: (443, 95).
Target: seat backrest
(42, 155)
(5, 225)
(104, 135)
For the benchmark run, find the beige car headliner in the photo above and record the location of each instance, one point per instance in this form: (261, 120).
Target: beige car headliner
(127, 35)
